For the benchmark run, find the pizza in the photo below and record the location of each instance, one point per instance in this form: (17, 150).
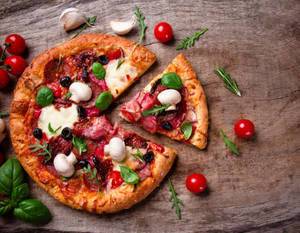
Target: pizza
(62, 137)
(173, 104)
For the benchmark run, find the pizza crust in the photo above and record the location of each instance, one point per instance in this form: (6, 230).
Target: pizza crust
(73, 192)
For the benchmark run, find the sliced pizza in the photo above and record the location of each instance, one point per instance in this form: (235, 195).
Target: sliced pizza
(173, 104)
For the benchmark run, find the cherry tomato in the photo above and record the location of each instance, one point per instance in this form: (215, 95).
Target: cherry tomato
(4, 79)
(17, 44)
(16, 63)
(244, 128)
(163, 32)
(117, 179)
(55, 89)
(2, 159)
(195, 183)
(1, 51)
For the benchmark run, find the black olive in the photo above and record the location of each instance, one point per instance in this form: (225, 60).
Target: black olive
(166, 125)
(66, 133)
(81, 111)
(65, 81)
(148, 157)
(38, 133)
(95, 160)
(83, 163)
(103, 60)
(84, 75)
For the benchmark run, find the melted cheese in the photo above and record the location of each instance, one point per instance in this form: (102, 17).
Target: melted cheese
(116, 79)
(64, 117)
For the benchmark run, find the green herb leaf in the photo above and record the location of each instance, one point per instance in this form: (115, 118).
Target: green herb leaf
(11, 176)
(142, 25)
(19, 193)
(33, 211)
(59, 62)
(231, 84)
(186, 129)
(90, 23)
(98, 70)
(175, 199)
(155, 111)
(93, 176)
(171, 80)
(4, 114)
(75, 77)
(46, 150)
(52, 130)
(68, 96)
(103, 100)
(128, 175)
(120, 62)
(79, 144)
(229, 143)
(138, 155)
(65, 178)
(5, 206)
(189, 41)
(44, 96)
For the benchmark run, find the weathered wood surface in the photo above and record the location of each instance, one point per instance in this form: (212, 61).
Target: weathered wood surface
(258, 43)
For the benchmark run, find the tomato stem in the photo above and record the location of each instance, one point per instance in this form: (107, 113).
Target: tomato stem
(8, 44)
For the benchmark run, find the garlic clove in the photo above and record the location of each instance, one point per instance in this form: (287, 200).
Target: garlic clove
(123, 27)
(72, 18)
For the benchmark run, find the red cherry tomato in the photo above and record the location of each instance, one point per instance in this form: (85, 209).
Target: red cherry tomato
(244, 128)
(4, 79)
(55, 89)
(117, 179)
(114, 55)
(195, 183)
(163, 32)
(1, 51)
(2, 159)
(16, 63)
(17, 44)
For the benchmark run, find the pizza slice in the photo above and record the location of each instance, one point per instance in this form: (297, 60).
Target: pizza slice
(173, 104)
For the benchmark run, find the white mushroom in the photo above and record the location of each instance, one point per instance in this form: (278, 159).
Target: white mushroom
(169, 96)
(123, 27)
(64, 165)
(116, 149)
(72, 18)
(2, 129)
(80, 92)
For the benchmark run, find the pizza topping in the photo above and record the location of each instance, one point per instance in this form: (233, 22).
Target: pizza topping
(123, 27)
(80, 92)
(38, 133)
(114, 54)
(116, 179)
(55, 89)
(171, 80)
(44, 96)
(169, 97)
(128, 175)
(103, 100)
(186, 129)
(116, 149)
(148, 157)
(166, 125)
(156, 110)
(65, 164)
(98, 70)
(103, 60)
(79, 144)
(149, 123)
(66, 134)
(84, 75)
(72, 18)
(64, 117)
(81, 111)
(65, 81)
(83, 163)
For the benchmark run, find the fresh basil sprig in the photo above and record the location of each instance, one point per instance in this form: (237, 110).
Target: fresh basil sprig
(46, 148)
(175, 199)
(142, 25)
(231, 84)
(128, 175)
(16, 191)
(171, 80)
(44, 96)
(52, 130)
(189, 41)
(155, 111)
(79, 144)
(98, 70)
(229, 143)
(186, 129)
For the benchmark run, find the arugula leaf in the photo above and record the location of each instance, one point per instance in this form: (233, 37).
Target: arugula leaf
(175, 199)
(229, 143)
(120, 62)
(46, 148)
(231, 84)
(142, 25)
(90, 23)
(155, 111)
(79, 144)
(19, 193)
(189, 41)
(52, 130)
(138, 155)
(5, 206)
(4, 114)
(93, 176)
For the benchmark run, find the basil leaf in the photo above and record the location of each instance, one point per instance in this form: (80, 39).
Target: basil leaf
(98, 70)
(103, 100)
(171, 80)
(52, 130)
(33, 211)
(80, 144)
(5, 206)
(19, 193)
(45, 96)
(128, 175)
(186, 129)
(229, 143)
(11, 175)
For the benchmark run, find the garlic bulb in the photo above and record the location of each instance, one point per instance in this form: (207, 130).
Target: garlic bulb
(72, 18)
(123, 27)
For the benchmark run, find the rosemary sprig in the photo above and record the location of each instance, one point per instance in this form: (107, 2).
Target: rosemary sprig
(230, 83)
(4, 114)
(175, 199)
(90, 22)
(120, 62)
(138, 155)
(229, 143)
(52, 130)
(189, 41)
(155, 111)
(46, 148)
(59, 62)
(68, 96)
(142, 25)
(93, 176)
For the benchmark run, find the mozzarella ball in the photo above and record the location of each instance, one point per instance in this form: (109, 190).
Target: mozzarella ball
(117, 149)
(80, 92)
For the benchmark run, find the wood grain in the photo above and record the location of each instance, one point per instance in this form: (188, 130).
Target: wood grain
(258, 43)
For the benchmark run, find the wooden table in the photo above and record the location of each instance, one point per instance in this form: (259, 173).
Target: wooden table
(258, 43)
